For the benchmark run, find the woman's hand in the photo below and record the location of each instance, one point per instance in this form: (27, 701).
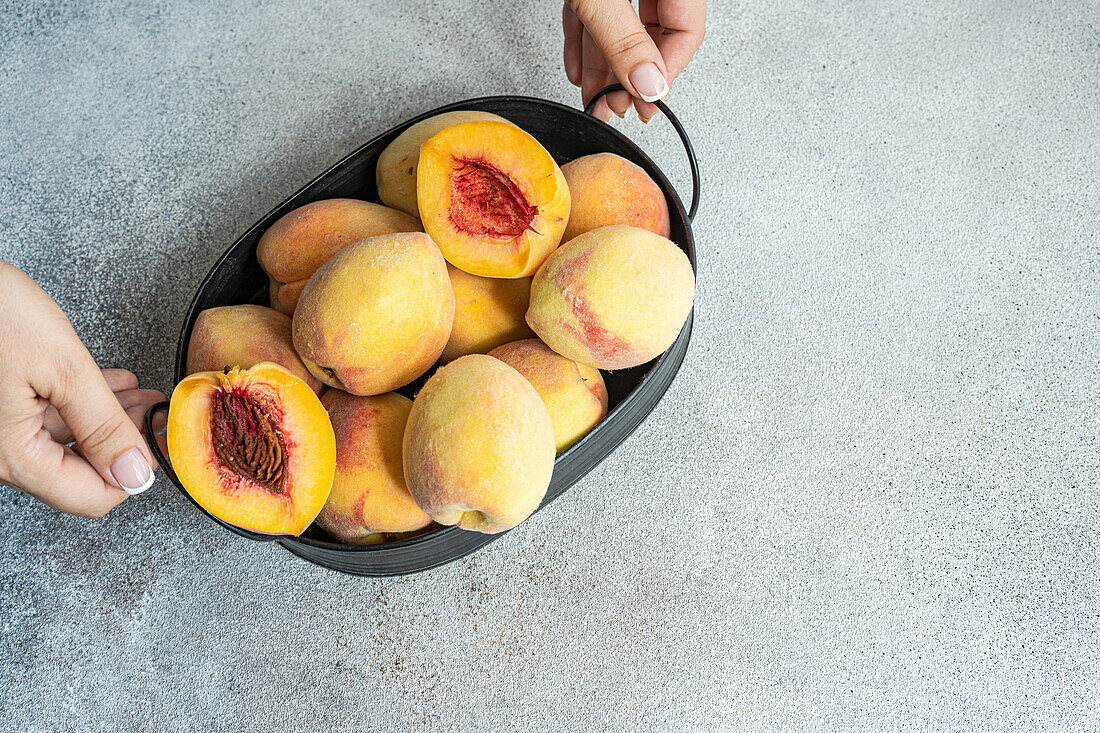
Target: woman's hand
(606, 41)
(52, 394)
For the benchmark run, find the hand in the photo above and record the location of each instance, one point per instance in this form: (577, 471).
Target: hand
(51, 394)
(606, 41)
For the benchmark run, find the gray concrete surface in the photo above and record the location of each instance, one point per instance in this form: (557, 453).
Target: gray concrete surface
(871, 499)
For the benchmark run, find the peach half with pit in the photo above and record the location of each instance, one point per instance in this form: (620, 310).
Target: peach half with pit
(574, 394)
(253, 447)
(243, 336)
(479, 446)
(369, 500)
(492, 198)
(298, 243)
(395, 174)
(377, 315)
(607, 189)
(612, 298)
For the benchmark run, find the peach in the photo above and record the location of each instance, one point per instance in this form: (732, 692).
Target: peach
(492, 198)
(609, 189)
(396, 171)
(613, 298)
(479, 446)
(574, 394)
(253, 447)
(243, 336)
(369, 497)
(489, 312)
(284, 296)
(292, 248)
(376, 315)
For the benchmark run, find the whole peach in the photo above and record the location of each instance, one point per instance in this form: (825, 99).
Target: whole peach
(609, 189)
(377, 315)
(574, 394)
(479, 446)
(612, 298)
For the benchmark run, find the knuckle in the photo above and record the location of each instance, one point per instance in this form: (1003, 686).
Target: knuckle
(94, 512)
(110, 430)
(66, 373)
(628, 44)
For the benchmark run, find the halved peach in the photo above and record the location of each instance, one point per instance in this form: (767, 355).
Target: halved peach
(396, 171)
(296, 245)
(253, 447)
(492, 198)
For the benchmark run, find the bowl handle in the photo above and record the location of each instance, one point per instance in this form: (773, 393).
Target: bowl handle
(151, 439)
(693, 163)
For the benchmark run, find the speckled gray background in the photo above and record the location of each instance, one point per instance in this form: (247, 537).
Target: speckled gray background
(870, 500)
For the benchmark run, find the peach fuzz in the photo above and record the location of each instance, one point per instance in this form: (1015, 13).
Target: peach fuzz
(574, 394)
(489, 311)
(479, 446)
(296, 245)
(253, 447)
(243, 336)
(377, 315)
(369, 497)
(613, 298)
(608, 189)
(396, 171)
(284, 296)
(492, 198)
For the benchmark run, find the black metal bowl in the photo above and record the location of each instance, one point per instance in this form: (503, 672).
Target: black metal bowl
(567, 133)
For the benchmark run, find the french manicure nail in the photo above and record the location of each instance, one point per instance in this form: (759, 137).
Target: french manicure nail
(132, 472)
(649, 82)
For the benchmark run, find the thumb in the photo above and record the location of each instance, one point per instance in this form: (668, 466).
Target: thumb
(105, 435)
(628, 48)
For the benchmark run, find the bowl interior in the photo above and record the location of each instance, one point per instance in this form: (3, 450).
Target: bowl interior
(567, 134)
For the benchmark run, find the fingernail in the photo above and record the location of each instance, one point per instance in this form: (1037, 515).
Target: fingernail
(132, 472)
(649, 82)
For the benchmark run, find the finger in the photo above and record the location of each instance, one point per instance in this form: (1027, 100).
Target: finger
(52, 422)
(136, 413)
(162, 443)
(594, 75)
(108, 439)
(64, 480)
(160, 422)
(120, 379)
(117, 379)
(144, 398)
(573, 29)
(601, 111)
(629, 51)
(60, 432)
(646, 110)
(619, 102)
(677, 27)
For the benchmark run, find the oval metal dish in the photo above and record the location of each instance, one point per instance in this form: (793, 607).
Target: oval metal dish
(567, 133)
